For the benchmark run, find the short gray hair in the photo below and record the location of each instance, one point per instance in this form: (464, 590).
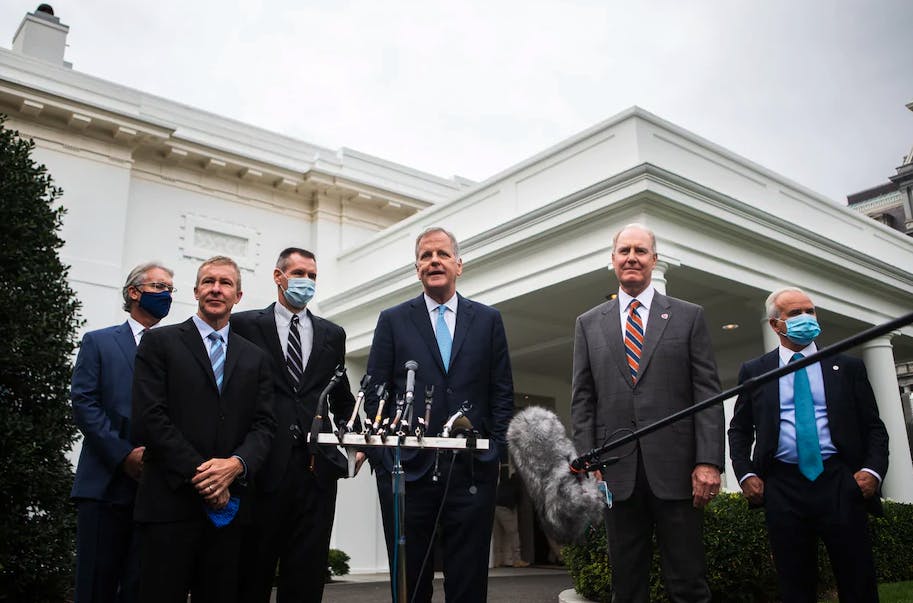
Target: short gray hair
(136, 278)
(434, 229)
(219, 260)
(639, 226)
(773, 310)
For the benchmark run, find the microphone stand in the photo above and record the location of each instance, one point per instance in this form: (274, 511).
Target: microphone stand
(592, 461)
(338, 373)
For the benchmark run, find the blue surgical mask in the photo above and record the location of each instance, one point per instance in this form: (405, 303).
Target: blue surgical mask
(300, 291)
(802, 329)
(156, 304)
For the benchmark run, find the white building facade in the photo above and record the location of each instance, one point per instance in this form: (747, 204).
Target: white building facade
(148, 178)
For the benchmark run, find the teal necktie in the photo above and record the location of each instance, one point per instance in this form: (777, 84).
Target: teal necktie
(807, 445)
(442, 334)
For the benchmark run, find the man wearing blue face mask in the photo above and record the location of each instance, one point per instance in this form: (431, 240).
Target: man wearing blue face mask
(820, 455)
(295, 493)
(110, 463)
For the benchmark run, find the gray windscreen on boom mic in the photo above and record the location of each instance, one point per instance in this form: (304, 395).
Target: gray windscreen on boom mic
(411, 366)
(566, 503)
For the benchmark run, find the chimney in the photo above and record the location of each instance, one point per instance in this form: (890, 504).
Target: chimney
(43, 36)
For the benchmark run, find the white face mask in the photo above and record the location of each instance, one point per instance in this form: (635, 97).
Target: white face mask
(300, 291)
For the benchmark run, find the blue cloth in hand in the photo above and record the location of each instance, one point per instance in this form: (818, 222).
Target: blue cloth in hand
(224, 516)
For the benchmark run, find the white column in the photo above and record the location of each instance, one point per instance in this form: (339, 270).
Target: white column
(659, 276)
(878, 356)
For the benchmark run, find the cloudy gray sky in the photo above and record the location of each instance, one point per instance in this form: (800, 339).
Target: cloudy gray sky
(814, 90)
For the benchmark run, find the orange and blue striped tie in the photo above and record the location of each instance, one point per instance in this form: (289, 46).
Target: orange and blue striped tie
(634, 338)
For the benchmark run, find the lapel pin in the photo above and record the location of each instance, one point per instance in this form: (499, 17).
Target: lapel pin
(664, 316)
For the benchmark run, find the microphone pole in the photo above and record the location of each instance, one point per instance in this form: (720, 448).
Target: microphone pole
(338, 373)
(591, 460)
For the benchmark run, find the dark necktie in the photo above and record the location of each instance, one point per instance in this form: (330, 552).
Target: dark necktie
(293, 353)
(634, 338)
(808, 447)
(217, 358)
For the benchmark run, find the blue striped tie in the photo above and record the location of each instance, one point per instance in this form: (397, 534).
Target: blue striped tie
(442, 334)
(217, 358)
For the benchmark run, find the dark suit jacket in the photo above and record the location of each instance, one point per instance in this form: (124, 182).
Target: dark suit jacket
(479, 372)
(298, 407)
(101, 394)
(183, 420)
(677, 370)
(852, 415)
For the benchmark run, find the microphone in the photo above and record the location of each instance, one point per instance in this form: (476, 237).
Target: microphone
(338, 373)
(359, 400)
(566, 503)
(382, 394)
(411, 366)
(464, 425)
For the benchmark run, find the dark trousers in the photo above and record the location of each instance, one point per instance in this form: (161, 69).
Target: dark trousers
(465, 528)
(832, 508)
(107, 553)
(193, 557)
(291, 527)
(630, 525)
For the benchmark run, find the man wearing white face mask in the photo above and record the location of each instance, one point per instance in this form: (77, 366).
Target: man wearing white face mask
(820, 455)
(295, 493)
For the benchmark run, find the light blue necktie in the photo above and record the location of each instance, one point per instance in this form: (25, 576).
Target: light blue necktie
(442, 334)
(217, 358)
(807, 445)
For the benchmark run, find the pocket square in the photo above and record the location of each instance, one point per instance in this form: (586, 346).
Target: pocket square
(222, 517)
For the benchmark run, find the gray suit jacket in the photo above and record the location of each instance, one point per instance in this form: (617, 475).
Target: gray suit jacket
(677, 370)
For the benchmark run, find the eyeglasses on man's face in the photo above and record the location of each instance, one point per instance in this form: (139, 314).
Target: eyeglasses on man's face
(159, 286)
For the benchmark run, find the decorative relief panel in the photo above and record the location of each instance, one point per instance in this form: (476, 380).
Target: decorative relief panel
(205, 237)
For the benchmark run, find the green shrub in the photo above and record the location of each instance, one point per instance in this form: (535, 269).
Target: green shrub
(337, 564)
(739, 563)
(38, 322)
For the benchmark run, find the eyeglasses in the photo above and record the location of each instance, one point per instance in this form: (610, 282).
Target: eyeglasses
(159, 286)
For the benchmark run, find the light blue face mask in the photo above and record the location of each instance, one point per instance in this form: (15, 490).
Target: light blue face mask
(802, 329)
(300, 291)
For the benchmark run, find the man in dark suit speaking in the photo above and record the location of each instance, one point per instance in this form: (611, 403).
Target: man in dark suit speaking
(820, 455)
(295, 494)
(638, 358)
(461, 351)
(202, 405)
(110, 462)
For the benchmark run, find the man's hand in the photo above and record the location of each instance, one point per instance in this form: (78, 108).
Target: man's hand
(867, 482)
(753, 489)
(217, 501)
(215, 476)
(359, 461)
(133, 462)
(705, 484)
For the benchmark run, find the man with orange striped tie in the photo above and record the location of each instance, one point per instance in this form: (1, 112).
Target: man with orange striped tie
(638, 358)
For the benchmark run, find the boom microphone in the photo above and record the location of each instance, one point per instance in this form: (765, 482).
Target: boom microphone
(566, 503)
(411, 366)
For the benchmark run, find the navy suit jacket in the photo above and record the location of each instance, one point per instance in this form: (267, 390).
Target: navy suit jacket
(298, 406)
(100, 393)
(852, 415)
(183, 419)
(479, 372)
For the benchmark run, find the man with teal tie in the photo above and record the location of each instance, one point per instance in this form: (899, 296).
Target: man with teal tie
(820, 455)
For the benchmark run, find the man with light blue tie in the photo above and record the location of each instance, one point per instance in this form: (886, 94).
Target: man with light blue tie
(820, 455)
(461, 351)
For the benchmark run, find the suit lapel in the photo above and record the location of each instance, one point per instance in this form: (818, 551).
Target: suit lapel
(422, 321)
(770, 397)
(611, 316)
(656, 326)
(266, 322)
(464, 317)
(190, 336)
(320, 335)
(123, 336)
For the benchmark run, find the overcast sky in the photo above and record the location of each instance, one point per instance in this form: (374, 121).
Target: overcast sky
(814, 90)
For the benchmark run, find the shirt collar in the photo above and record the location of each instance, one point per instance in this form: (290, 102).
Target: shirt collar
(432, 305)
(135, 327)
(645, 298)
(205, 329)
(286, 314)
(786, 354)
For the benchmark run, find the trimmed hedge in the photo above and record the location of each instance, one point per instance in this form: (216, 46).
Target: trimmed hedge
(739, 564)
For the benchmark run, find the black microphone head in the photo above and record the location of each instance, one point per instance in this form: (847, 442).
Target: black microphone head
(566, 503)
(365, 382)
(411, 365)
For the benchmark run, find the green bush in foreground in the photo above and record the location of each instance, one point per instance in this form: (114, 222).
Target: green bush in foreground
(337, 564)
(739, 564)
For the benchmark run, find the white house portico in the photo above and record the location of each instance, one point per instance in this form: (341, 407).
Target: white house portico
(146, 177)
